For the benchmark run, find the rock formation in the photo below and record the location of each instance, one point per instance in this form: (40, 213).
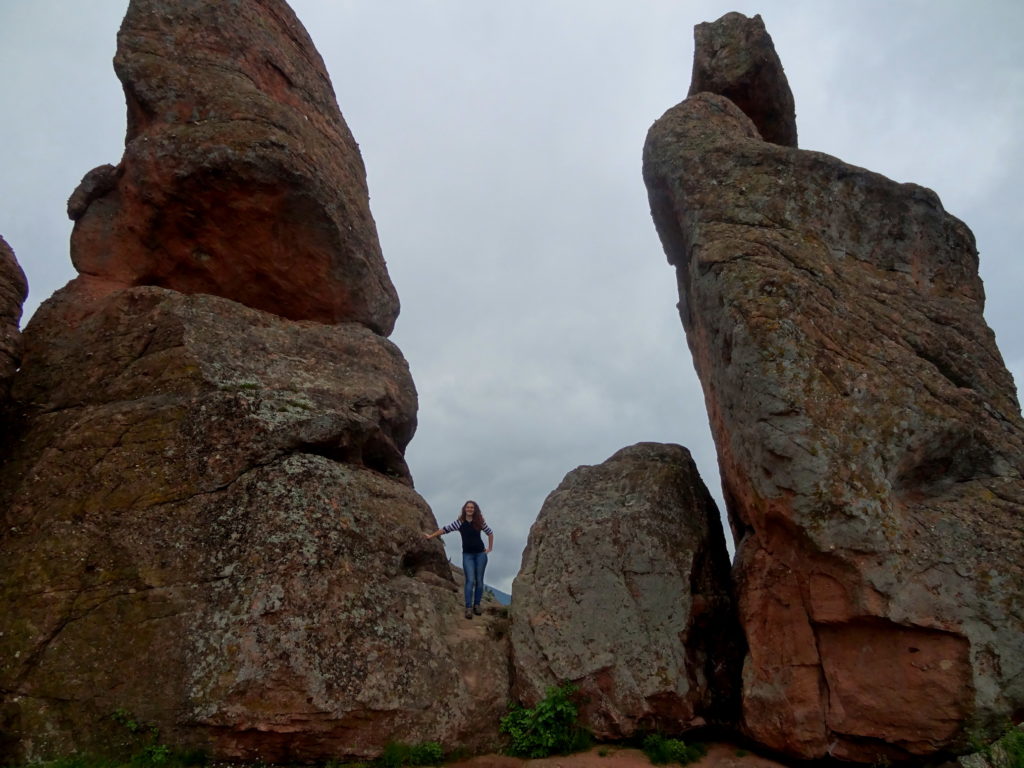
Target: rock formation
(734, 57)
(13, 291)
(868, 433)
(224, 490)
(207, 519)
(239, 177)
(624, 592)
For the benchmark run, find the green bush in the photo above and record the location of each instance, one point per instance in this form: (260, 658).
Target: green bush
(397, 754)
(1013, 745)
(152, 755)
(660, 750)
(1005, 749)
(549, 728)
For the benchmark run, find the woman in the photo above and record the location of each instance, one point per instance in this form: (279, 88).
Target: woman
(474, 557)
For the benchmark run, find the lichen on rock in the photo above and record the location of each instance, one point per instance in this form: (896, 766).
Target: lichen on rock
(868, 432)
(208, 520)
(624, 591)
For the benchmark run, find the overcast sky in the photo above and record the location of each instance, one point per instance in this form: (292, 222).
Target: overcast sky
(502, 142)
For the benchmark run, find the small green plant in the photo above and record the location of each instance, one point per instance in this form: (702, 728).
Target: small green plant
(1005, 749)
(397, 754)
(661, 751)
(741, 753)
(603, 752)
(428, 753)
(153, 755)
(549, 728)
(127, 720)
(145, 748)
(1013, 745)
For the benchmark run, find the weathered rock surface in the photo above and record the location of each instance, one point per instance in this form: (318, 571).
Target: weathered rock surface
(206, 518)
(208, 522)
(734, 57)
(868, 433)
(239, 177)
(13, 291)
(624, 592)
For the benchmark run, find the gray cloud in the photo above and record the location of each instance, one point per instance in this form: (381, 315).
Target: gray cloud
(502, 143)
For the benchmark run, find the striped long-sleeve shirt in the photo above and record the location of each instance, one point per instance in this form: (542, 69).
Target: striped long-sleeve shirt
(472, 543)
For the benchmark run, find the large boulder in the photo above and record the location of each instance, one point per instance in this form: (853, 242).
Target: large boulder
(13, 291)
(208, 523)
(624, 591)
(869, 436)
(239, 176)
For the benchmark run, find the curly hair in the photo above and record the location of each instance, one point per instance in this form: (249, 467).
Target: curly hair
(478, 516)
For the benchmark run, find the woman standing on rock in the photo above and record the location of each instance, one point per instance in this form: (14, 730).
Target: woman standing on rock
(470, 525)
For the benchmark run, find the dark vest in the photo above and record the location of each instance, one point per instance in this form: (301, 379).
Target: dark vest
(472, 543)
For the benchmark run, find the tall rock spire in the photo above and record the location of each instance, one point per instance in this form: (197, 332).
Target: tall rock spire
(868, 432)
(240, 177)
(207, 518)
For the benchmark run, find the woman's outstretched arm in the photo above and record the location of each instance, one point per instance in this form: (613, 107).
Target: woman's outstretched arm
(442, 531)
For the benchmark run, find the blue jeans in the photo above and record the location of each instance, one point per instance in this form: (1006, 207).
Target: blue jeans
(474, 564)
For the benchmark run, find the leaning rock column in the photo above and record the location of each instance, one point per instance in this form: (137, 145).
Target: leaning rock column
(868, 432)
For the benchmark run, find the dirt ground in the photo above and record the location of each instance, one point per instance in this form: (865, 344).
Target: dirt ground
(718, 756)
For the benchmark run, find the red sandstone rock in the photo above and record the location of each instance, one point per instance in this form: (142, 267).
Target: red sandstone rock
(206, 518)
(13, 291)
(869, 436)
(239, 177)
(624, 591)
(734, 57)
(208, 522)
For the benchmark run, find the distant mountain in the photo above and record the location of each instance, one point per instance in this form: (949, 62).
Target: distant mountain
(502, 597)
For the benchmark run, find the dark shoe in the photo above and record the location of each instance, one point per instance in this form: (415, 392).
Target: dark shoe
(476, 609)
(469, 614)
